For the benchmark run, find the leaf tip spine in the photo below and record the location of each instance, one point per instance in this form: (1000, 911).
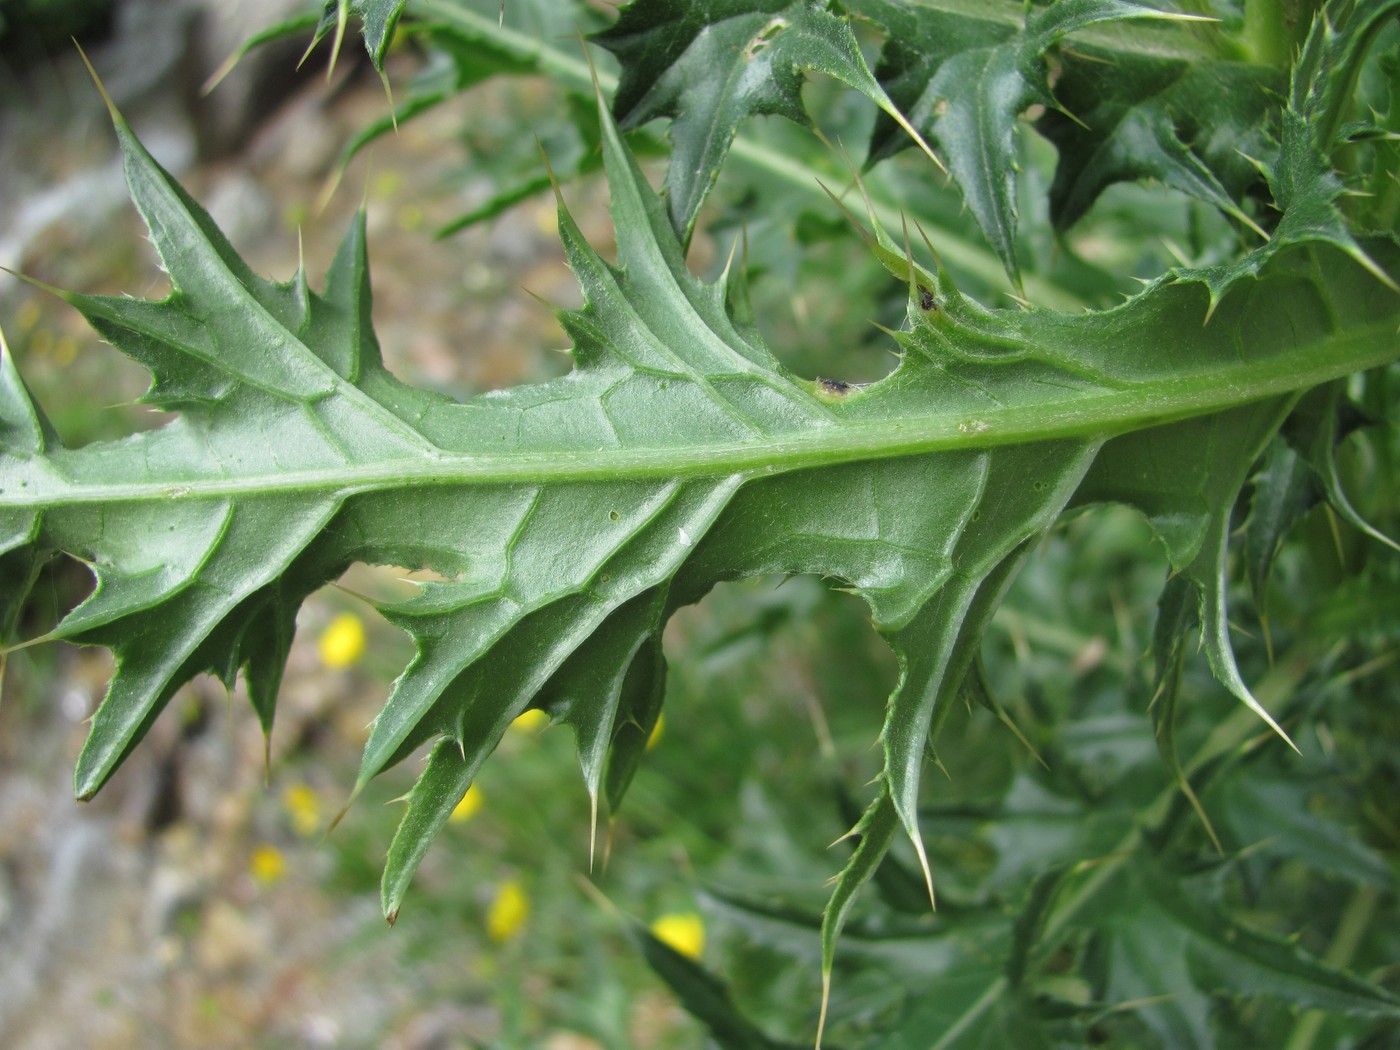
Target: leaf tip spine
(1210, 308)
(116, 115)
(342, 19)
(335, 821)
(217, 77)
(549, 168)
(922, 854)
(913, 133)
(861, 231)
(729, 261)
(331, 184)
(592, 826)
(389, 97)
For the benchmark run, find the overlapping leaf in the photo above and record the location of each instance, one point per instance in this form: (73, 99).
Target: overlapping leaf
(963, 80)
(1303, 183)
(467, 46)
(711, 65)
(377, 19)
(1197, 126)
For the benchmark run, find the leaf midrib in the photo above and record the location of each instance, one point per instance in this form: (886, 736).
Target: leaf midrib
(1097, 416)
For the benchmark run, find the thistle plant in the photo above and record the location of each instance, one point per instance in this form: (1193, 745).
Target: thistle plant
(567, 520)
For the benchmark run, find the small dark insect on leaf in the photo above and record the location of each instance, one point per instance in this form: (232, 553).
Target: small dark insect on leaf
(926, 299)
(836, 387)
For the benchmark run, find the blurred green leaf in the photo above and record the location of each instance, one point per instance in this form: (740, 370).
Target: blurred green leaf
(710, 66)
(964, 78)
(704, 996)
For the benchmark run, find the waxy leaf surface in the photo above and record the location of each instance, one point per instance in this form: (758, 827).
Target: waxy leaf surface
(568, 519)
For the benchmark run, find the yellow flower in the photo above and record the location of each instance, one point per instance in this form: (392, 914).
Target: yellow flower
(303, 808)
(386, 184)
(29, 315)
(656, 731)
(267, 864)
(508, 912)
(531, 721)
(342, 642)
(471, 802)
(683, 931)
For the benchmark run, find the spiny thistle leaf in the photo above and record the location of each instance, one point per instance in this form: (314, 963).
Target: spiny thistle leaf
(1248, 961)
(1302, 180)
(1283, 491)
(1210, 459)
(1190, 125)
(1321, 416)
(570, 518)
(377, 18)
(711, 65)
(963, 80)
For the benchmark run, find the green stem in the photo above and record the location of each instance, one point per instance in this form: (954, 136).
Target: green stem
(98, 479)
(1273, 29)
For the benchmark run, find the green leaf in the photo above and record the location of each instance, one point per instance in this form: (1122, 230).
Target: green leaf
(569, 519)
(1190, 125)
(1209, 460)
(1319, 417)
(377, 18)
(467, 45)
(293, 26)
(1304, 184)
(710, 66)
(24, 432)
(1284, 490)
(1250, 962)
(964, 79)
(702, 994)
(1167, 950)
(1280, 817)
(873, 834)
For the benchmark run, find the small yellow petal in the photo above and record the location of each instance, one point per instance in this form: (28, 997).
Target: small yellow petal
(471, 802)
(683, 931)
(410, 217)
(303, 808)
(508, 912)
(547, 220)
(267, 864)
(386, 184)
(656, 731)
(342, 642)
(29, 315)
(531, 721)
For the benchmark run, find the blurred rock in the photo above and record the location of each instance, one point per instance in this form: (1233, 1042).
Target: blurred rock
(242, 208)
(225, 117)
(230, 939)
(55, 146)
